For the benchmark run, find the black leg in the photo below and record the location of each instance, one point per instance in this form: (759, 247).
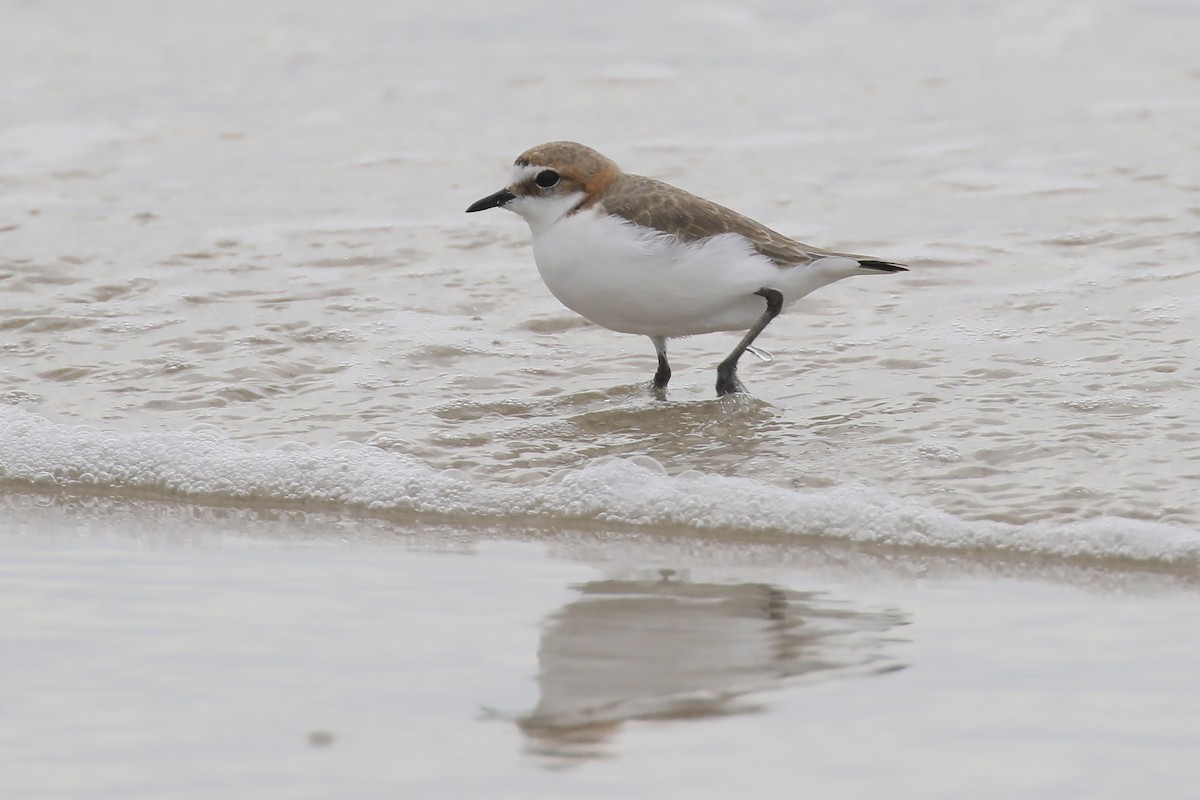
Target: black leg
(663, 375)
(727, 379)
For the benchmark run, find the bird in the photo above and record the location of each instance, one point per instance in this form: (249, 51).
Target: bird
(637, 255)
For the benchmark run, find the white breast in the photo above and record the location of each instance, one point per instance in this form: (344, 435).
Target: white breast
(637, 280)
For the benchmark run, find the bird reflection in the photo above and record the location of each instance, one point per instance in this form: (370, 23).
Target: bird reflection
(670, 649)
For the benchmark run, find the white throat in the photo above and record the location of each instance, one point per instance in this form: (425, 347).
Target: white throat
(542, 212)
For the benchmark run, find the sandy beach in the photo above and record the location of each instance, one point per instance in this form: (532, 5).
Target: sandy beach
(310, 489)
(162, 650)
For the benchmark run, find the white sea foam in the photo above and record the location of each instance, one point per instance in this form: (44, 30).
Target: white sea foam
(204, 464)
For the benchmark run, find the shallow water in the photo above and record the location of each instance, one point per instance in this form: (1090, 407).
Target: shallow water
(258, 226)
(235, 270)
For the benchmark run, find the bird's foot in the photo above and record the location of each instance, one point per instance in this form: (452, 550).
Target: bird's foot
(728, 383)
(659, 384)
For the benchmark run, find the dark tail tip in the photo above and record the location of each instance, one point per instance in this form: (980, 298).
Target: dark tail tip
(882, 266)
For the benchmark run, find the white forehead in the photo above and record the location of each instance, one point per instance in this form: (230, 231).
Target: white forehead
(523, 172)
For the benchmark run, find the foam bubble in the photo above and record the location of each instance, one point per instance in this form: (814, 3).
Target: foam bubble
(202, 463)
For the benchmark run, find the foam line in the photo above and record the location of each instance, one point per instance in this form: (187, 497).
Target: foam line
(204, 464)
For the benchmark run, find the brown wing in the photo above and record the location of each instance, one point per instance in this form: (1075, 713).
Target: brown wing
(655, 204)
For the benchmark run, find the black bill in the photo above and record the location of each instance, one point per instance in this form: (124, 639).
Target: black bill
(492, 201)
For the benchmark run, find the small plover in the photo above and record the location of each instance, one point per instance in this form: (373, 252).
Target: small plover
(637, 255)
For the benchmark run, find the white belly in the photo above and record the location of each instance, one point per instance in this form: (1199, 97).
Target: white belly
(634, 280)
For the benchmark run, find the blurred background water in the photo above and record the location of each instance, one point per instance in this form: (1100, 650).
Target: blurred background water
(250, 217)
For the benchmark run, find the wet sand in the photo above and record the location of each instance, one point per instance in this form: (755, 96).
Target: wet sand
(160, 650)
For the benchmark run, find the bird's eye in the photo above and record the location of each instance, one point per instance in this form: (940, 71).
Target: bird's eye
(546, 178)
